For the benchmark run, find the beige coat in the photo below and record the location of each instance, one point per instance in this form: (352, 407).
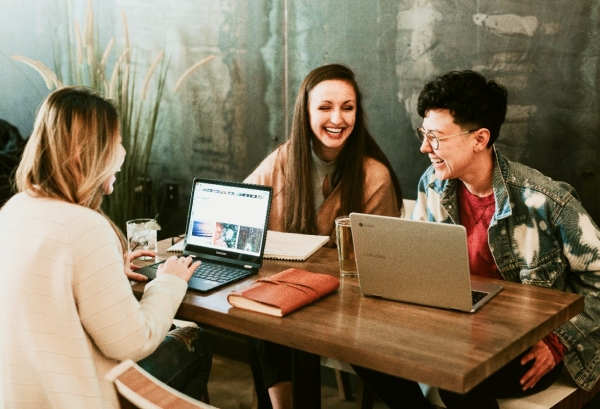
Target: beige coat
(379, 193)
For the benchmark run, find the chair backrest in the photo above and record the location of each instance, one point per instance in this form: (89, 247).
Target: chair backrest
(136, 388)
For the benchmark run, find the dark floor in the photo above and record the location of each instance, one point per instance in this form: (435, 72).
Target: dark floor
(230, 387)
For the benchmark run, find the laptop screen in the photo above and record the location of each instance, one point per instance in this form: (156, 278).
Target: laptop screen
(228, 219)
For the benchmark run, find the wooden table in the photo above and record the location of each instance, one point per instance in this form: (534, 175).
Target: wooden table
(448, 349)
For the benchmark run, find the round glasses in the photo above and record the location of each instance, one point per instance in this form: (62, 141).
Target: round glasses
(433, 140)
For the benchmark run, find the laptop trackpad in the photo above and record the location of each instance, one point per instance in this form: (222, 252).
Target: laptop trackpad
(202, 284)
(149, 271)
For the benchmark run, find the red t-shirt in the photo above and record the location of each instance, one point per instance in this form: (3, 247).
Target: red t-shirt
(475, 215)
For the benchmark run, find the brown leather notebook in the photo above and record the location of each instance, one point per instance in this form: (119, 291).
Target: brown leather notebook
(284, 292)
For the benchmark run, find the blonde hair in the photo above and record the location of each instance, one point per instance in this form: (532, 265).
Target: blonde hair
(72, 150)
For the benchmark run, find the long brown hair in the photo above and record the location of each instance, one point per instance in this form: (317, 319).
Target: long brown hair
(72, 150)
(300, 215)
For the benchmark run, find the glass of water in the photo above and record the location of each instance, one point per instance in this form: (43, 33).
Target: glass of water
(345, 245)
(141, 235)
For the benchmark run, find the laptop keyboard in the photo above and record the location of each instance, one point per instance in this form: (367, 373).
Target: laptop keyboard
(477, 296)
(219, 273)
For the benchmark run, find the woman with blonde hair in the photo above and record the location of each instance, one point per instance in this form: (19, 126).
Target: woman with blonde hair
(68, 313)
(330, 166)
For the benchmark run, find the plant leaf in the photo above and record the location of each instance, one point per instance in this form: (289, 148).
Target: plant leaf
(88, 27)
(47, 75)
(107, 51)
(159, 57)
(125, 31)
(189, 72)
(112, 88)
(79, 44)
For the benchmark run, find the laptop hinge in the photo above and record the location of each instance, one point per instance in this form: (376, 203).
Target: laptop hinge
(248, 267)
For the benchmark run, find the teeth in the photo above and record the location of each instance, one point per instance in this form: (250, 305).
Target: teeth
(333, 131)
(437, 161)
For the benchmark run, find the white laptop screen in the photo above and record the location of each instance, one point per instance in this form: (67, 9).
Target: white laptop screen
(229, 218)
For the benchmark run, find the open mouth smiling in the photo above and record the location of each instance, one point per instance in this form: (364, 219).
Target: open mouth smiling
(334, 131)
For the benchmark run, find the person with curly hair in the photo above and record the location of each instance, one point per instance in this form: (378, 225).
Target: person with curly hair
(521, 227)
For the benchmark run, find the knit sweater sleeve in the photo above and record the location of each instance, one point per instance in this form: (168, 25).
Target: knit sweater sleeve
(380, 197)
(119, 325)
(266, 172)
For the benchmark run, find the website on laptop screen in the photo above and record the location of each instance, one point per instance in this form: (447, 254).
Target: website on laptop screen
(228, 217)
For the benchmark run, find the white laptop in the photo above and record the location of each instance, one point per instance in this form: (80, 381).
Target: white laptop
(417, 262)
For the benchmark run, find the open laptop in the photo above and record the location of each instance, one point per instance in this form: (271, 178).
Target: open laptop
(226, 230)
(417, 262)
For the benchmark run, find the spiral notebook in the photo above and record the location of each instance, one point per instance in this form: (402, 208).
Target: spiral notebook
(283, 246)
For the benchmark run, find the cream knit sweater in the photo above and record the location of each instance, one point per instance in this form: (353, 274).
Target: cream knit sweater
(67, 311)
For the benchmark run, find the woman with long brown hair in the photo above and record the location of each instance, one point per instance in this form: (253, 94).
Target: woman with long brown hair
(330, 166)
(68, 313)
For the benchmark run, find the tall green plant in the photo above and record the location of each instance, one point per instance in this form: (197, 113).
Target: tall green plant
(139, 108)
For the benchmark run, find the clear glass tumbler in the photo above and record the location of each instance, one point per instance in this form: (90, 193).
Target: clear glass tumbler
(141, 235)
(345, 245)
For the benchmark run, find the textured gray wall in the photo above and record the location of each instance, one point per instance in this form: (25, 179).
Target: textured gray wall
(232, 112)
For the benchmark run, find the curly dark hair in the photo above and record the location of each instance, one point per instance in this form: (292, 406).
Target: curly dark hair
(473, 101)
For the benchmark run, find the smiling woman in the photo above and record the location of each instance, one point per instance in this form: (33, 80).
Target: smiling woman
(331, 166)
(332, 110)
(68, 312)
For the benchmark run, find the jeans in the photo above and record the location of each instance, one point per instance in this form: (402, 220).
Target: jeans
(398, 393)
(502, 384)
(182, 361)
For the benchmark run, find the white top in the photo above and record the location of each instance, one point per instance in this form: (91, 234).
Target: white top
(67, 311)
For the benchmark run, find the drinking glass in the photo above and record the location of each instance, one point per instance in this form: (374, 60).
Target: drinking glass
(345, 245)
(141, 235)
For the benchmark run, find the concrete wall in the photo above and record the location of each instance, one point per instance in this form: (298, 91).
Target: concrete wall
(232, 112)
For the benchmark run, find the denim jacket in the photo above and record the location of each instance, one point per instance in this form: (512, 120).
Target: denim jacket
(539, 235)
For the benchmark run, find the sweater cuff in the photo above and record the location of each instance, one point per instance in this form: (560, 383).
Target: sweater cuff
(556, 347)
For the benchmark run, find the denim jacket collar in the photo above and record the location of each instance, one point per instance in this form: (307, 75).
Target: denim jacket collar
(446, 188)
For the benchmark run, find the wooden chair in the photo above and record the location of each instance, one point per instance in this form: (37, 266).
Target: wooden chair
(136, 388)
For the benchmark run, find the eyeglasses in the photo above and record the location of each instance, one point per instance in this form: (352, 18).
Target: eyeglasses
(433, 140)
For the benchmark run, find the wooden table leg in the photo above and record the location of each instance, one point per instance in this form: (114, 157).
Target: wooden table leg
(306, 380)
